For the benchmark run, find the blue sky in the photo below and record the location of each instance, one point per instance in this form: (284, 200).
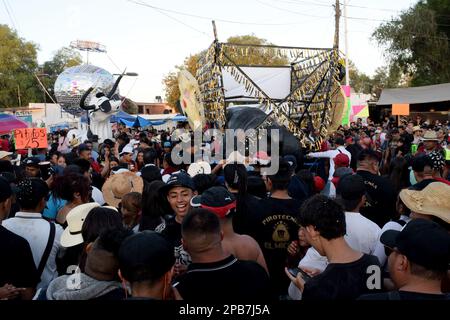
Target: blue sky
(150, 42)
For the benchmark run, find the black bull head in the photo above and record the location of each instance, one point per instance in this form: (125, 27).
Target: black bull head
(103, 102)
(250, 118)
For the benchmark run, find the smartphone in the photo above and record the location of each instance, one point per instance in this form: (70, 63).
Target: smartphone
(295, 271)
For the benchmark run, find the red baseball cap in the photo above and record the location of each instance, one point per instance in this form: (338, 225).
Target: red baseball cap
(341, 160)
(319, 183)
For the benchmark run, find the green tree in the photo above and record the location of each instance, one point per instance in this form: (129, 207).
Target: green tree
(417, 43)
(18, 64)
(190, 63)
(62, 59)
(359, 81)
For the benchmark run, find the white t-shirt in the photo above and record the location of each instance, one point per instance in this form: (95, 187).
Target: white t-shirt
(391, 225)
(33, 228)
(97, 195)
(331, 154)
(362, 235)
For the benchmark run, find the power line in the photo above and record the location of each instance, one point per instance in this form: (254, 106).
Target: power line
(163, 12)
(141, 3)
(321, 4)
(351, 18)
(13, 15)
(291, 11)
(9, 14)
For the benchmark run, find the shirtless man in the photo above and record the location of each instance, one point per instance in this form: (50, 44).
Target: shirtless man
(222, 203)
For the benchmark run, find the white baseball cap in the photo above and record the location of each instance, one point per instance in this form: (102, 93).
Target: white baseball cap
(127, 149)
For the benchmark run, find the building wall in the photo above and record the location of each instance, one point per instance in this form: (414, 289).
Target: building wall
(153, 108)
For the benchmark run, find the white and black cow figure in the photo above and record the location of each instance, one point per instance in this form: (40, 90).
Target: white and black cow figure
(102, 110)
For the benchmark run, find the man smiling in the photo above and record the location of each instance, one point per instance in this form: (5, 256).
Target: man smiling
(179, 191)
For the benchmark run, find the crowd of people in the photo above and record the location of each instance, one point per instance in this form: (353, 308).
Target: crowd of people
(366, 217)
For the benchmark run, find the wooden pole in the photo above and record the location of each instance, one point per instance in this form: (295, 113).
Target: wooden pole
(337, 20)
(215, 30)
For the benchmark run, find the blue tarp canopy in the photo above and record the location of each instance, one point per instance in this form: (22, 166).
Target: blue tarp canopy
(179, 117)
(59, 127)
(138, 122)
(122, 115)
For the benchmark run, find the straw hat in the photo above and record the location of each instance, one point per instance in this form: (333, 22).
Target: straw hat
(119, 185)
(74, 143)
(430, 135)
(4, 154)
(433, 200)
(75, 218)
(417, 128)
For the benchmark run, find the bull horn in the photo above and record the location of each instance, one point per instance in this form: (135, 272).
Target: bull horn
(114, 88)
(83, 99)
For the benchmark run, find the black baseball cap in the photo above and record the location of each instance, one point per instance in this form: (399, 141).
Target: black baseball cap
(32, 161)
(5, 189)
(216, 199)
(180, 179)
(423, 242)
(351, 187)
(145, 256)
(83, 147)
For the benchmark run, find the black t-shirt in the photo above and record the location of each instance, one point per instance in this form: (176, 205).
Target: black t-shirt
(246, 212)
(419, 186)
(17, 265)
(342, 281)
(404, 295)
(380, 198)
(274, 228)
(172, 232)
(226, 280)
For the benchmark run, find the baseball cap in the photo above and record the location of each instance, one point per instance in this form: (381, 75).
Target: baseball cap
(180, 179)
(262, 158)
(351, 187)
(201, 167)
(83, 147)
(341, 160)
(319, 183)
(126, 149)
(216, 199)
(5, 189)
(167, 144)
(31, 161)
(144, 256)
(423, 242)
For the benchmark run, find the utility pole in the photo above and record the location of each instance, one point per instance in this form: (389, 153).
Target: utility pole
(18, 96)
(337, 20)
(347, 72)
